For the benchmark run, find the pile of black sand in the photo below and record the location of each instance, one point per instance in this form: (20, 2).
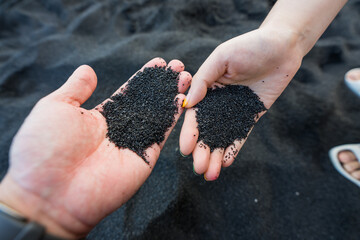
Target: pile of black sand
(227, 114)
(140, 115)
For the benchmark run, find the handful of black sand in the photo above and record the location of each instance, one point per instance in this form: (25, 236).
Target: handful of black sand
(140, 115)
(227, 114)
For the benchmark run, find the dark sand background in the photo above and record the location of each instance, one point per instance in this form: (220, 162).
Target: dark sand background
(282, 185)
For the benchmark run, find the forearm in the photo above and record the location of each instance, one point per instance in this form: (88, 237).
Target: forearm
(306, 20)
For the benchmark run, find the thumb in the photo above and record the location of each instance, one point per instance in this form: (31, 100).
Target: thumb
(79, 87)
(210, 71)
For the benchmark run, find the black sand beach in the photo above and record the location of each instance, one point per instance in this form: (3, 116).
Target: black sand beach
(282, 184)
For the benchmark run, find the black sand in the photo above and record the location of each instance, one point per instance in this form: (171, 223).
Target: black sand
(139, 116)
(227, 114)
(284, 163)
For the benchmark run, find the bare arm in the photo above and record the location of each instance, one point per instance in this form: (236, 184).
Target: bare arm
(306, 19)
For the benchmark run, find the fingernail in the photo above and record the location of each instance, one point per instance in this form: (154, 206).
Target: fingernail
(182, 154)
(184, 103)
(196, 174)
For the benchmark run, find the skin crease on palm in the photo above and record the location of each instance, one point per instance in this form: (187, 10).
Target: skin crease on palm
(62, 161)
(265, 64)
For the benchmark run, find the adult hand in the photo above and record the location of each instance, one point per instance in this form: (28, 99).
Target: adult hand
(264, 60)
(64, 172)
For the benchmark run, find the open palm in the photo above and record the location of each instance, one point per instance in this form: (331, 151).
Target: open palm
(62, 158)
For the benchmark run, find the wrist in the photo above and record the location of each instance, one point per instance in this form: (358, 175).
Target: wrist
(292, 36)
(288, 40)
(33, 208)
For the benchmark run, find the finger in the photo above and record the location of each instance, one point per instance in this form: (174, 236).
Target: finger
(231, 152)
(179, 100)
(189, 133)
(184, 81)
(159, 62)
(201, 156)
(213, 172)
(176, 65)
(152, 63)
(351, 166)
(356, 174)
(78, 88)
(211, 70)
(346, 156)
